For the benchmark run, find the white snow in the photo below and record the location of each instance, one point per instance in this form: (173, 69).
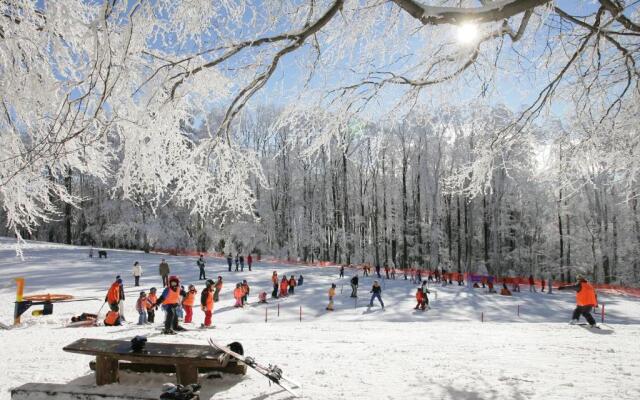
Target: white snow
(352, 353)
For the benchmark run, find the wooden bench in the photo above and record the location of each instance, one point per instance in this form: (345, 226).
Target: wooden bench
(185, 358)
(63, 391)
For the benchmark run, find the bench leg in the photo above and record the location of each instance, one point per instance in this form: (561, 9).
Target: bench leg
(106, 370)
(186, 374)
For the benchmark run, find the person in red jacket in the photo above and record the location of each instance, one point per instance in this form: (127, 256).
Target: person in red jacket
(206, 303)
(586, 299)
(284, 286)
(188, 302)
(532, 284)
(542, 283)
(292, 284)
(419, 299)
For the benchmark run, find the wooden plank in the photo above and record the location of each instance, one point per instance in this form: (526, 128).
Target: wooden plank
(106, 370)
(54, 391)
(231, 368)
(172, 352)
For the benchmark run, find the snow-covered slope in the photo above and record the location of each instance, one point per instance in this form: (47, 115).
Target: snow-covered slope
(352, 353)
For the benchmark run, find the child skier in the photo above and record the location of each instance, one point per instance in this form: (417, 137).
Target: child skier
(284, 285)
(300, 280)
(425, 296)
(586, 299)
(419, 299)
(201, 263)
(354, 286)
(141, 308)
(332, 293)
(112, 318)
(188, 302)
(151, 307)
(217, 289)
(262, 297)
(245, 291)
(292, 284)
(376, 291)
(170, 300)
(274, 282)
(206, 303)
(238, 293)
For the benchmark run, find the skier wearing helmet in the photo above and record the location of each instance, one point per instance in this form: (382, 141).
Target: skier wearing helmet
(170, 300)
(206, 303)
(585, 300)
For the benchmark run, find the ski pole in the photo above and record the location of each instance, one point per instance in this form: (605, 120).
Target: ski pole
(98, 313)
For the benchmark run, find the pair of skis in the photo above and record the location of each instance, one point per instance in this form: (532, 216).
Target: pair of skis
(271, 372)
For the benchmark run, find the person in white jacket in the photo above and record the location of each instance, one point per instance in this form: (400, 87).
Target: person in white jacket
(137, 272)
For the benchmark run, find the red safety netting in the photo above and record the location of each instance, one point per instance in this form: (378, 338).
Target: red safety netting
(453, 276)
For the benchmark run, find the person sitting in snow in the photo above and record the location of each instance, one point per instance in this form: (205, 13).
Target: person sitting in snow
(262, 297)
(84, 317)
(504, 291)
(112, 318)
(586, 299)
(332, 293)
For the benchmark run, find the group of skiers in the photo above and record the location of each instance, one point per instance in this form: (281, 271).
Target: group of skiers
(285, 286)
(239, 261)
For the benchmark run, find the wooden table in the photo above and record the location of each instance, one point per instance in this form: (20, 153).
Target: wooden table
(186, 358)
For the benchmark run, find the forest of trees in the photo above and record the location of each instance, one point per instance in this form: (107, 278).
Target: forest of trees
(401, 194)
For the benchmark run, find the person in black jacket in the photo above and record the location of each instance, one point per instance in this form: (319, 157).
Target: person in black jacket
(354, 286)
(376, 291)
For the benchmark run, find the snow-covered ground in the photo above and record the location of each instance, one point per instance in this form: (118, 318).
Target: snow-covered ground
(353, 353)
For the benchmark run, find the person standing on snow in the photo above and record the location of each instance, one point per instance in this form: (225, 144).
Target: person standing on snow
(121, 301)
(137, 273)
(341, 275)
(152, 298)
(425, 296)
(170, 300)
(332, 293)
(376, 291)
(292, 284)
(164, 271)
(113, 295)
(532, 284)
(141, 308)
(188, 302)
(354, 286)
(217, 289)
(274, 282)
(200, 263)
(229, 261)
(249, 261)
(585, 300)
(550, 291)
(206, 303)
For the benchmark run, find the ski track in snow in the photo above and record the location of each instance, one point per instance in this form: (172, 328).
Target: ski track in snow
(352, 353)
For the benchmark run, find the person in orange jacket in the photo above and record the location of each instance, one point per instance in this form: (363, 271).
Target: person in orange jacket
(188, 302)
(284, 286)
(112, 318)
(152, 298)
(245, 291)
(217, 289)
(292, 284)
(113, 295)
(206, 303)
(274, 282)
(332, 294)
(586, 299)
(238, 293)
(170, 300)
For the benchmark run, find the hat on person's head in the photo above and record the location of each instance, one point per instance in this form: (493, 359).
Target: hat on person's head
(580, 277)
(143, 293)
(152, 290)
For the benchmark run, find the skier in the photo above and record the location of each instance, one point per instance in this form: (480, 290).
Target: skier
(113, 295)
(365, 270)
(425, 296)
(262, 297)
(229, 261)
(341, 272)
(419, 299)
(245, 291)
(284, 286)
(241, 258)
(164, 271)
(378, 270)
(170, 299)
(237, 260)
(585, 300)
(292, 284)
(249, 261)
(137, 272)
(217, 289)
(532, 284)
(151, 305)
(200, 263)
(206, 303)
(188, 302)
(393, 273)
(141, 308)
(237, 294)
(332, 293)
(386, 270)
(376, 291)
(300, 280)
(354, 286)
(274, 282)
(121, 300)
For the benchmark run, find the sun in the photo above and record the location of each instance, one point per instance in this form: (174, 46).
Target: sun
(467, 33)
